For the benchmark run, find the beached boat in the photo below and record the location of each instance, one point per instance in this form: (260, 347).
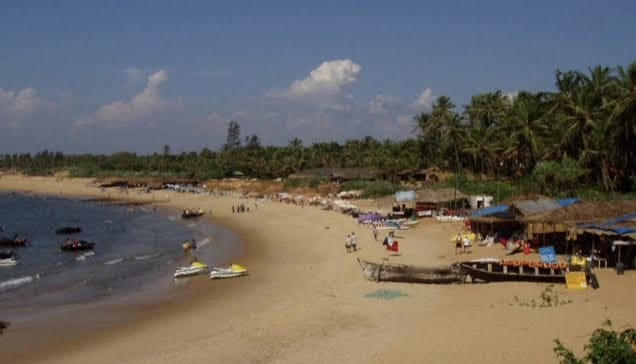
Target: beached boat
(194, 269)
(9, 262)
(187, 214)
(411, 273)
(234, 270)
(14, 241)
(68, 230)
(495, 270)
(6, 254)
(75, 245)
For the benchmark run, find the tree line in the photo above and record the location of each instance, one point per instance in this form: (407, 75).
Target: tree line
(583, 132)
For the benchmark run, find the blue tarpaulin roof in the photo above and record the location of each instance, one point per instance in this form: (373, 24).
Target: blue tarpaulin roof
(611, 224)
(490, 210)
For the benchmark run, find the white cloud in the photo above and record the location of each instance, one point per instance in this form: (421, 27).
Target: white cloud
(383, 104)
(134, 75)
(17, 105)
(328, 79)
(139, 107)
(424, 100)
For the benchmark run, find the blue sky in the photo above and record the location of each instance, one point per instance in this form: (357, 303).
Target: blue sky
(100, 77)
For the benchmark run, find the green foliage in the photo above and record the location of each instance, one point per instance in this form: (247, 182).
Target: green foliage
(501, 190)
(554, 176)
(606, 346)
(370, 189)
(548, 298)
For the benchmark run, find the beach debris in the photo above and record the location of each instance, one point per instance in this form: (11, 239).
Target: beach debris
(386, 294)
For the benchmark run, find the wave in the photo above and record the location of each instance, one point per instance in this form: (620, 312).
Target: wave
(192, 225)
(83, 256)
(17, 282)
(143, 257)
(114, 261)
(203, 242)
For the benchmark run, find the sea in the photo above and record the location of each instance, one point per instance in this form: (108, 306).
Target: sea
(137, 251)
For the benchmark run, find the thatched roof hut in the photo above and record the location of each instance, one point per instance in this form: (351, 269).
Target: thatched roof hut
(584, 212)
(440, 195)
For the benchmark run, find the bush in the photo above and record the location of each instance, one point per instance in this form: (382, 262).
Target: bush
(606, 346)
(555, 176)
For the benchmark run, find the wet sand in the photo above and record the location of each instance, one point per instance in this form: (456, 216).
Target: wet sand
(304, 300)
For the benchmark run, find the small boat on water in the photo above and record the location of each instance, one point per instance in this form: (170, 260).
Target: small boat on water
(6, 254)
(495, 270)
(14, 241)
(9, 262)
(76, 245)
(194, 269)
(68, 230)
(411, 273)
(187, 214)
(232, 271)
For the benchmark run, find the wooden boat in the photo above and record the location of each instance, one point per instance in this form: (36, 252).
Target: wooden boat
(68, 230)
(495, 270)
(186, 214)
(75, 245)
(15, 241)
(411, 273)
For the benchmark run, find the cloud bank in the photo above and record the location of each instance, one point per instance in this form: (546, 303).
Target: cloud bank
(139, 107)
(16, 106)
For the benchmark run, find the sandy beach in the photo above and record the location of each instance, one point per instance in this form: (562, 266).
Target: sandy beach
(304, 300)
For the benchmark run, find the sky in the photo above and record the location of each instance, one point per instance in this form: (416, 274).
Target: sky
(110, 76)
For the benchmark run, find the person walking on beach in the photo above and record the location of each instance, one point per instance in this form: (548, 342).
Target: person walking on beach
(354, 242)
(376, 232)
(458, 244)
(348, 243)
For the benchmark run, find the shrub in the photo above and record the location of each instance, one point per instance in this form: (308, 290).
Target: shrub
(606, 346)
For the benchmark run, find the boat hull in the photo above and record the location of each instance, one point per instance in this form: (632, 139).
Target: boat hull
(497, 272)
(410, 273)
(187, 272)
(220, 273)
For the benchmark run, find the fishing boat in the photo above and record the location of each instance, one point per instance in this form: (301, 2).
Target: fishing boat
(75, 245)
(232, 271)
(68, 230)
(195, 268)
(411, 273)
(9, 262)
(14, 241)
(187, 214)
(495, 270)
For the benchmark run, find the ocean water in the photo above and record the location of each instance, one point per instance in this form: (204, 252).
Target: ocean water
(137, 250)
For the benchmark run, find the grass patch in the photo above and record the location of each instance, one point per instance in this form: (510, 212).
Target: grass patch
(386, 294)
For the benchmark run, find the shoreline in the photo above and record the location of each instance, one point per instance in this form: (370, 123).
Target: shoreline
(305, 300)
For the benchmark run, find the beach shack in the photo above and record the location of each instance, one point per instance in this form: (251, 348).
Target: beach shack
(442, 201)
(589, 228)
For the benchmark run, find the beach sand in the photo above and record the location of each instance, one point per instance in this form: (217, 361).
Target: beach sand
(304, 300)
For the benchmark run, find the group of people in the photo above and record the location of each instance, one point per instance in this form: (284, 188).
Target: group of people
(462, 243)
(242, 208)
